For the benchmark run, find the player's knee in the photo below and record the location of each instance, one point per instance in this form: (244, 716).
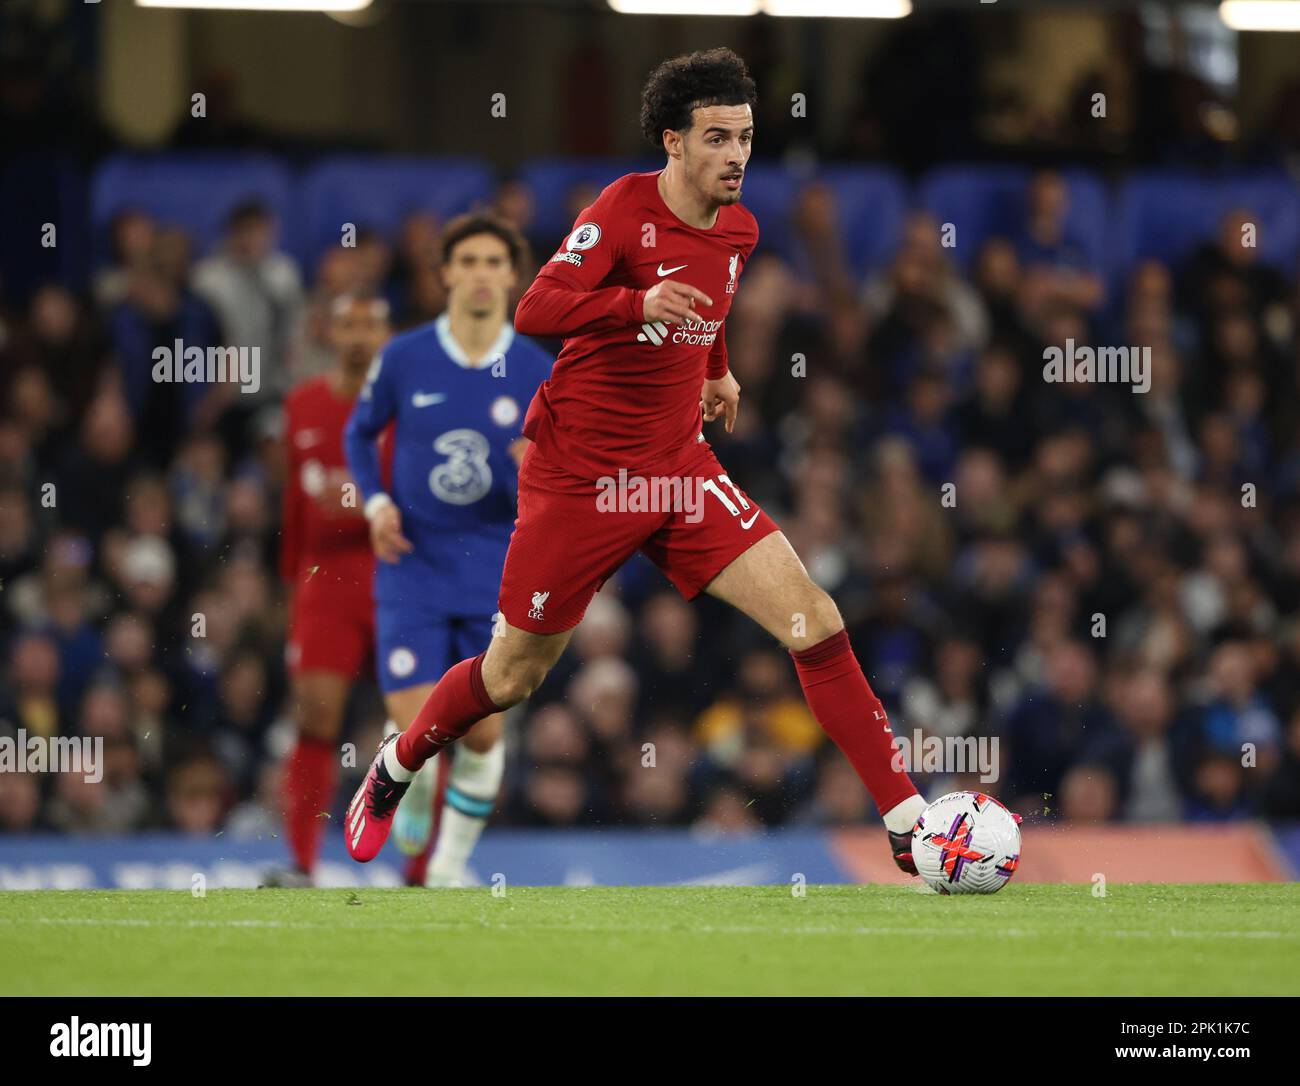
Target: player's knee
(515, 688)
(517, 682)
(318, 717)
(821, 619)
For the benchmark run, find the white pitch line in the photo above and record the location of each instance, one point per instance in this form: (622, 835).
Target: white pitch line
(619, 929)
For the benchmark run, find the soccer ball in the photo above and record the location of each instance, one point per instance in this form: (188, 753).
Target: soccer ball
(966, 843)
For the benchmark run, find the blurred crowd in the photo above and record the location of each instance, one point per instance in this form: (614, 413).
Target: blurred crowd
(1106, 582)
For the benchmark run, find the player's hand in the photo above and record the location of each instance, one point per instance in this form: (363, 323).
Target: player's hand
(721, 397)
(672, 302)
(386, 534)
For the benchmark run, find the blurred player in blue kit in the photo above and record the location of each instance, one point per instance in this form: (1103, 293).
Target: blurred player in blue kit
(454, 393)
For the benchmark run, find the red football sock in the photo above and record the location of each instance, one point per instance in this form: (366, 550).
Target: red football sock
(842, 701)
(310, 777)
(456, 704)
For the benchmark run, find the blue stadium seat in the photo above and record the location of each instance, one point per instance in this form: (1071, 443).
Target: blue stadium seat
(1167, 216)
(552, 180)
(871, 204)
(769, 191)
(38, 188)
(379, 191)
(989, 201)
(195, 191)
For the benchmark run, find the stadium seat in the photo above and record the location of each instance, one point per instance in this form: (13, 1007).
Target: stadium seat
(1167, 215)
(379, 191)
(871, 204)
(195, 191)
(552, 179)
(989, 201)
(769, 191)
(36, 189)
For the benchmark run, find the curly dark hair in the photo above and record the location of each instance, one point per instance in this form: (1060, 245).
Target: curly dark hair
(714, 77)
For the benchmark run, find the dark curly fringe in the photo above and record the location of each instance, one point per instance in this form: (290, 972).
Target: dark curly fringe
(714, 77)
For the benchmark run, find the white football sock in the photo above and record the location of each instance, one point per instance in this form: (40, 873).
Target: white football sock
(396, 770)
(472, 787)
(901, 818)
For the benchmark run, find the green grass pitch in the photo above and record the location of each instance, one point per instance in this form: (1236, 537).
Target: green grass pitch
(846, 940)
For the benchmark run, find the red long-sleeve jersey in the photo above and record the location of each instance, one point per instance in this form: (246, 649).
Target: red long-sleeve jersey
(323, 524)
(625, 393)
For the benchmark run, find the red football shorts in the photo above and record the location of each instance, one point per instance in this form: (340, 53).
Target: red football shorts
(331, 624)
(566, 545)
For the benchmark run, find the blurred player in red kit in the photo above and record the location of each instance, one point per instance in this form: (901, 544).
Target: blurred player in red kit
(328, 565)
(639, 292)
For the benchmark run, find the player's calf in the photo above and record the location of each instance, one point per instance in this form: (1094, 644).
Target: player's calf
(514, 665)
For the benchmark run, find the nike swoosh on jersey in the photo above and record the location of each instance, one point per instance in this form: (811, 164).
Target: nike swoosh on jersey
(668, 271)
(427, 399)
(747, 524)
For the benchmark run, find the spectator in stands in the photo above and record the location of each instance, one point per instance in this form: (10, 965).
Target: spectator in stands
(1228, 273)
(1236, 716)
(673, 671)
(255, 292)
(157, 312)
(921, 311)
(1088, 795)
(20, 803)
(727, 811)
(93, 471)
(33, 684)
(131, 239)
(1058, 726)
(1057, 268)
(1144, 707)
(198, 795)
(1281, 792)
(838, 798)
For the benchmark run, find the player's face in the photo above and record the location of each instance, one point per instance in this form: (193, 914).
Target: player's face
(359, 331)
(716, 149)
(479, 275)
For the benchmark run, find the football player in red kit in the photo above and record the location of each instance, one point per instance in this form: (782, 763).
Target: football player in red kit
(639, 292)
(328, 566)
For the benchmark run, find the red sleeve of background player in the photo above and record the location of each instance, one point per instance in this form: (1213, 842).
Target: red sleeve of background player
(290, 503)
(567, 298)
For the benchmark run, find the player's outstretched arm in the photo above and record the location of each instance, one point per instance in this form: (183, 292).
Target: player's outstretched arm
(554, 308)
(673, 302)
